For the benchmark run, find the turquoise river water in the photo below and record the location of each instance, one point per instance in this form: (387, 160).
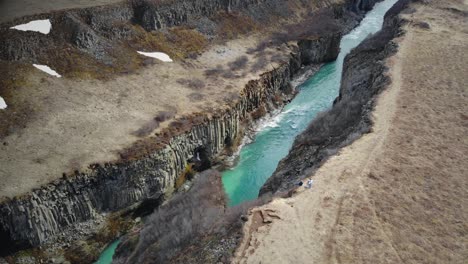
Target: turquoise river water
(274, 138)
(259, 159)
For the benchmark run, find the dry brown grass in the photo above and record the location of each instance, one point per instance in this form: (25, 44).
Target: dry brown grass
(12, 78)
(234, 24)
(178, 42)
(187, 174)
(149, 145)
(88, 250)
(396, 195)
(260, 112)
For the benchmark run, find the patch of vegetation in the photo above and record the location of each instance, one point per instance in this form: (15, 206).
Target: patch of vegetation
(164, 115)
(214, 72)
(177, 42)
(151, 125)
(114, 227)
(260, 112)
(231, 97)
(316, 24)
(146, 129)
(194, 84)
(195, 96)
(89, 250)
(239, 63)
(83, 252)
(34, 254)
(186, 175)
(12, 78)
(73, 63)
(189, 226)
(260, 64)
(147, 146)
(233, 24)
(228, 73)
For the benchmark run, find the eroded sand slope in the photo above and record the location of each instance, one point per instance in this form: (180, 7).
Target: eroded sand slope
(398, 194)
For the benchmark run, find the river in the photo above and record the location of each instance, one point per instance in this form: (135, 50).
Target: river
(258, 160)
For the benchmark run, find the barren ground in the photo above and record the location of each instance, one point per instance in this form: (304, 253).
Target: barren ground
(73, 123)
(398, 194)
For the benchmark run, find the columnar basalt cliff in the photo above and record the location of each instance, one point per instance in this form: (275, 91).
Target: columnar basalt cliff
(37, 217)
(150, 172)
(312, 48)
(362, 79)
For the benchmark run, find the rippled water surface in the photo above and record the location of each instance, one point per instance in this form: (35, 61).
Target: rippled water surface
(259, 159)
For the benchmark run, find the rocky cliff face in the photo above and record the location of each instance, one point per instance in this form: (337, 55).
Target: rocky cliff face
(362, 79)
(312, 49)
(103, 32)
(39, 216)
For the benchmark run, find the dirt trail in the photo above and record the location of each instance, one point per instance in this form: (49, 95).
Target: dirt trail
(398, 194)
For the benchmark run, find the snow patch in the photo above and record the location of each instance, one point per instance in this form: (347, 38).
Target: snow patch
(42, 26)
(3, 104)
(48, 70)
(157, 55)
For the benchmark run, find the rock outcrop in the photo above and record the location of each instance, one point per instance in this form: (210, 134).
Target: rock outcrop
(362, 79)
(39, 216)
(312, 48)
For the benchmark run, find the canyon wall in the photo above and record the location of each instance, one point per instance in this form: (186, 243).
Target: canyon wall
(313, 49)
(363, 78)
(40, 215)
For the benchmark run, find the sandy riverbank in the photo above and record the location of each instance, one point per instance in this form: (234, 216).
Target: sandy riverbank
(396, 195)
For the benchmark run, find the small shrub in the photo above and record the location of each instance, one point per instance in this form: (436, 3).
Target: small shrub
(180, 181)
(239, 63)
(177, 42)
(181, 220)
(150, 126)
(260, 112)
(195, 96)
(234, 24)
(188, 224)
(215, 71)
(260, 64)
(277, 58)
(163, 116)
(231, 96)
(229, 75)
(146, 129)
(194, 84)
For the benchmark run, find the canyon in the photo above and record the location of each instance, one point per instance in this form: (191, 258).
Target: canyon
(48, 191)
(97, 154)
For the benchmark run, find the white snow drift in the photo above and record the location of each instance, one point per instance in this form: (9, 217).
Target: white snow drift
(47, 69)
(158, 55)
(3, 104)
(42, 26)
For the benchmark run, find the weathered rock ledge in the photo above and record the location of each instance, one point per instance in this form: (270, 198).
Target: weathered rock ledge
(362, 79)
(39, 216)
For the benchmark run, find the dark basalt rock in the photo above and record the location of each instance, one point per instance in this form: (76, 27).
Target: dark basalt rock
(320, 49)
(363, 78)
(39, 216)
